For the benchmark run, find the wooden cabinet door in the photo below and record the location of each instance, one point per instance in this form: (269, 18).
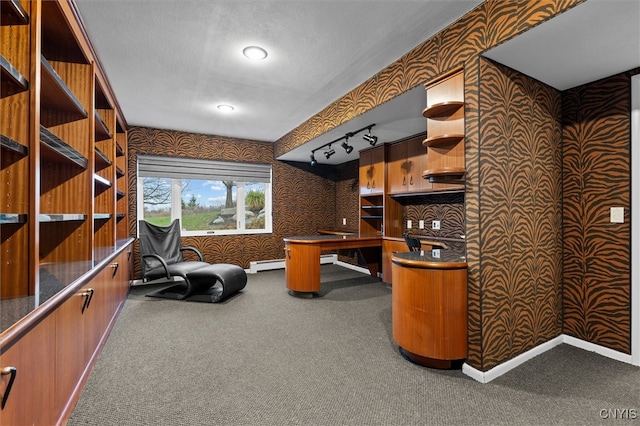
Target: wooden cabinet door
(302, 267)
(417, 164)
(397, 168)
(70, 358)
(377, 170)
(31, 400)
(366, 172)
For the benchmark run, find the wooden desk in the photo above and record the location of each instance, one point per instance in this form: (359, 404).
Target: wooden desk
(429, 307)
(302, 258)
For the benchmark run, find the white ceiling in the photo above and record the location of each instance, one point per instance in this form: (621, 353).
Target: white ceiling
(171, 62)
(594, 40)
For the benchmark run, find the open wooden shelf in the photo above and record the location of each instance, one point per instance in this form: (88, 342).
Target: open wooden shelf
(9, 144)
(12, 81)
(448, 174)
(56, 150)
(442, 109)
(13, 218)
(102, 132)
(56, 95)
(441, 140)
(13, 13)
(62, 217)
(102, 160)
(101, 182)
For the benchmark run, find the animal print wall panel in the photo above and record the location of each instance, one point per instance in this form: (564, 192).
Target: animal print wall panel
(302, 202)
(597, 177)
(520, 213)
(489, 24)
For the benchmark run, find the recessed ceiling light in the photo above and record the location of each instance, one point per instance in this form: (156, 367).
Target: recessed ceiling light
(225, 108)
(254, 52)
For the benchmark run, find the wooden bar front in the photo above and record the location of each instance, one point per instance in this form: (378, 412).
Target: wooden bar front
(429, 309)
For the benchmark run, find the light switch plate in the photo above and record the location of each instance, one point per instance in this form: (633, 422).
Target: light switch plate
(421, 224)
(344, 220)
(617, 215)
(409, 224)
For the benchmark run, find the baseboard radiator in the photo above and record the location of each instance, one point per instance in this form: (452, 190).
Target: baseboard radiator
(267, 265)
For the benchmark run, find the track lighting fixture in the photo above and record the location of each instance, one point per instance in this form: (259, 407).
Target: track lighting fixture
(329, 153)
(370, 138)
(346, 145)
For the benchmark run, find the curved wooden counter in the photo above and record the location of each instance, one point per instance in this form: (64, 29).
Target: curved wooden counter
(429, 307)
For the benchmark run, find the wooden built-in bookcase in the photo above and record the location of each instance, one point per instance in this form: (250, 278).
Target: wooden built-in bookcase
(63, 208)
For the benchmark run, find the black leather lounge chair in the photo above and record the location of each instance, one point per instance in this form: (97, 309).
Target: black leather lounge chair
(198, 280)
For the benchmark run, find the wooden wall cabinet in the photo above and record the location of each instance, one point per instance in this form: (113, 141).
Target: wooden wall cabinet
(445, 132)
(406, 163)
(63, 207)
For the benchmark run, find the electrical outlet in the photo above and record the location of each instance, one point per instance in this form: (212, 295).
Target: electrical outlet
(344, 220)
(435, 224)
(435, 253)
(409, 224)
(421, 224)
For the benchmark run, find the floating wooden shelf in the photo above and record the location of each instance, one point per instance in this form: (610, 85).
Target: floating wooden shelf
(12, 81)
(9, 144)
(13, 13)
(119, 151)
(449, 174)
(119, 172)
(371, 217)
(119, 194)
(441, 109)
(442, 140)
(101, 216)
(371, 207)
(57, 150)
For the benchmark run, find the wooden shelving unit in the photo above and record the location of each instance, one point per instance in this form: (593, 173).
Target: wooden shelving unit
(445, 133)
(63, 208)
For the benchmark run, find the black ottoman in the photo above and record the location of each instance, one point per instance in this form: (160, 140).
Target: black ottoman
(216, 282)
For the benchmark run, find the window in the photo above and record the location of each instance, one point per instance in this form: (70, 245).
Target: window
(209, 197)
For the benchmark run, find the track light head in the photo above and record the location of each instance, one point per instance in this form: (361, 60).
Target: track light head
(348, 148)
(313, 160)
(329, 153)
(370, 138)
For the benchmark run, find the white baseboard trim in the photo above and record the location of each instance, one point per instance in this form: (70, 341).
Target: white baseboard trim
(499, 370)
(354, 267)
(600, 350)
(268, 265)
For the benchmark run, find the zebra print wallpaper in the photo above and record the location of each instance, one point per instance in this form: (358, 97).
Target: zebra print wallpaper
(522, 168)
(520, 208)
(597, 176)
